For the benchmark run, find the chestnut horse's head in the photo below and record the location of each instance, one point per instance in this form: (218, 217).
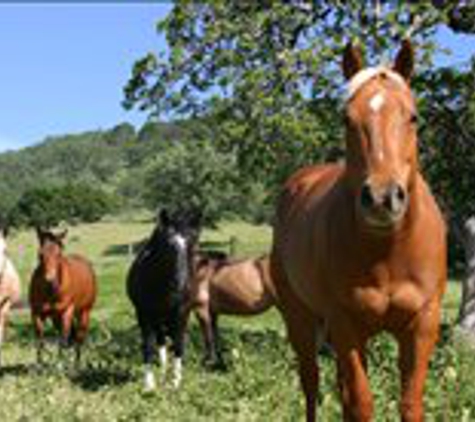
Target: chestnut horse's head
(50, 253)
(381, 137)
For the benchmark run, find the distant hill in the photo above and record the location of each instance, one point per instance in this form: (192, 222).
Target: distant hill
(112, 160)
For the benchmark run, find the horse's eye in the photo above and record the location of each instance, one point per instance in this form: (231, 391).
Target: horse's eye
(414, 118)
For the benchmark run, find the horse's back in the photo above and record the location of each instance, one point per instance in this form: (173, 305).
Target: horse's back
(83, 285)
(241, 288)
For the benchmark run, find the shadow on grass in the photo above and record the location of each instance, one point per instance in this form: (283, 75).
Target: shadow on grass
(112, 355)
(17, 369)
(95, 378)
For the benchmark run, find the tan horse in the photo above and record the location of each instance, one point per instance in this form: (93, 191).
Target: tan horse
(360, 248)
(9, 285)
(62, 288)
(223, 287)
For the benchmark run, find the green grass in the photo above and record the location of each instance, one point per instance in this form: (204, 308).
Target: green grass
(260, 385)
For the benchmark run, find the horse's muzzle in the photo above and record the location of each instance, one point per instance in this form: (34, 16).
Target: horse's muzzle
(52, 286)
(383, 206)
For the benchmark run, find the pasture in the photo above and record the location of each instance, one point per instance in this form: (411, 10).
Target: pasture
(260, 384)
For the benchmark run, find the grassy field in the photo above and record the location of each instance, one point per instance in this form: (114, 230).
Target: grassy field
(260, 385)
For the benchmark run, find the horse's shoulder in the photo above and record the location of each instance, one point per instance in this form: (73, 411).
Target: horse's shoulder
(308, 186)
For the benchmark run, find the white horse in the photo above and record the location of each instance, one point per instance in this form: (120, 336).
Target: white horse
(9, 285)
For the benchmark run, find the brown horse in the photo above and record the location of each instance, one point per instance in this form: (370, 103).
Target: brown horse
(9, 285)
(220, 286)
(62, 288)
(360, 248)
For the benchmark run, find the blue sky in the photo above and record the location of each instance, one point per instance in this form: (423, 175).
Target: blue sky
(63, 66)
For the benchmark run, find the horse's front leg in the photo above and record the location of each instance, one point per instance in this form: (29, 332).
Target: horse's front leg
(205, 320)
(218, 345)
(177, 330)
(66, 319)
(416, 344)
(148, 342)
(38, 326)
(302, 333)
(353, 381)
(162, 351)
(4, 309)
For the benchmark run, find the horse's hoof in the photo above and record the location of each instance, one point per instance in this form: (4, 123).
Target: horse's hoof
(176, 384)
(149, 382)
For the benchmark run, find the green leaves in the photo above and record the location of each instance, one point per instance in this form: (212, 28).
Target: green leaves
(262, 64)
(71, 203)
(194, 174)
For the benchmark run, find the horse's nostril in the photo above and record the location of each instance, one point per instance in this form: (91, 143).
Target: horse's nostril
(396, 198)
(400, 194)
(366, 198)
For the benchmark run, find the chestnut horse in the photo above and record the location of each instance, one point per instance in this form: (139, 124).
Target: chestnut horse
(359, 248)
(62, 288)
(9, 285)
(220, 286)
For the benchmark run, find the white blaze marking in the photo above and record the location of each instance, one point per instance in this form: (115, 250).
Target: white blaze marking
(376, 102)
(149, 379)
(180, 241)
(177, 372)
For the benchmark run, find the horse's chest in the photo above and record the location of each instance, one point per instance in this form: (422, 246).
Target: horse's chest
(384, 305)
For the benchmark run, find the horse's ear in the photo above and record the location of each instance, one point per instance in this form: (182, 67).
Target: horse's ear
(164, 217)
(61, 236)
(404, 62)
(352, 60)
(40, 233)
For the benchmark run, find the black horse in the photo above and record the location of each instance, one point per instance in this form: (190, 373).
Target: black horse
(157, 286)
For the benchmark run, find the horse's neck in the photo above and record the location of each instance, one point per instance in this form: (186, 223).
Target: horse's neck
(63, 270)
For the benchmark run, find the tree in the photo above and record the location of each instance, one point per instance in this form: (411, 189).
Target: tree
(466, 319)
(447, 134)
(264, 69)
(196, 175)
(49, 206)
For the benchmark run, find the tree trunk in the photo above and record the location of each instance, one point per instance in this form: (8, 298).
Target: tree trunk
(466, 319)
